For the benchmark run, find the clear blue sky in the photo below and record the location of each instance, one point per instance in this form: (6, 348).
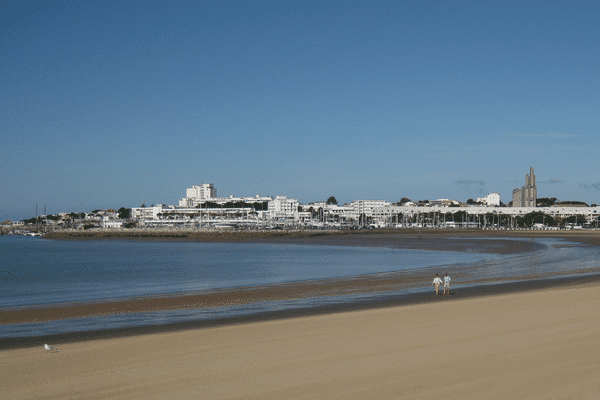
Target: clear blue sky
(107, 104)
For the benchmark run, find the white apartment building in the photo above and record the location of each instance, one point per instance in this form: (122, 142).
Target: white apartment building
(197, 194)
(201, 192)
(492, 199)
(143, 214)
(367, 207)
(282, 207)
(338, 213)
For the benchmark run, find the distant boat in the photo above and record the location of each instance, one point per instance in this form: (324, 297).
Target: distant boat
(33, 234)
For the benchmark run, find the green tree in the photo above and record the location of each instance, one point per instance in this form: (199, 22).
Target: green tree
(575, 219)
(572, 203)
(261, 206)
(124, 213)
(331, 200)
(460, 216)
(545, 201)
(536, 217)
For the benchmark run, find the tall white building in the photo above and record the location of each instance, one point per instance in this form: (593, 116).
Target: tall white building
(492, 199)
(197, 194)
(201, 192)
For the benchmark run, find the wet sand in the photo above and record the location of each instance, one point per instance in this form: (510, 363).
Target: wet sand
(537, 344)
(315, 236)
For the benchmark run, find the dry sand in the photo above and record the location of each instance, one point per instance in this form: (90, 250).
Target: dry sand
(535, 345)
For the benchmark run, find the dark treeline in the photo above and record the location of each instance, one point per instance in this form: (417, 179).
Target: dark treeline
(258, 206)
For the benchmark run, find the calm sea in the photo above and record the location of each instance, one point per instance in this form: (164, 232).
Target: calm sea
(35, 272)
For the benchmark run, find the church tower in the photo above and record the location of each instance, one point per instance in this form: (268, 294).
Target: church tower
(530, 190)
(526, 196)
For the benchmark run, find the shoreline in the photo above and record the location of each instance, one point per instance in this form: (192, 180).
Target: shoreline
(392, 301)
(375, 283)
(589, 236)
(378, 282)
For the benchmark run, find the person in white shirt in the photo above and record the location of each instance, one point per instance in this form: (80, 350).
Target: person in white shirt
(437, 281)
(447, 284)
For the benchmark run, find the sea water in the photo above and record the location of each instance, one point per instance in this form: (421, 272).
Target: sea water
(37, 273)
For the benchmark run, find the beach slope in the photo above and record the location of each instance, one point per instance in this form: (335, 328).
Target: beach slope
(535, 345)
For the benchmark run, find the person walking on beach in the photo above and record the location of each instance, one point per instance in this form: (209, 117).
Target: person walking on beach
(447, 284)
(437, 281)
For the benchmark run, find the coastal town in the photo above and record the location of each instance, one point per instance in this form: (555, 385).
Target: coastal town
(202, 209)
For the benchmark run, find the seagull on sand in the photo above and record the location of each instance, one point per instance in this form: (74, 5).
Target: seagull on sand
(48, 347)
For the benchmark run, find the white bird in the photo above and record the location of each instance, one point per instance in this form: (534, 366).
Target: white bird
(47, 347)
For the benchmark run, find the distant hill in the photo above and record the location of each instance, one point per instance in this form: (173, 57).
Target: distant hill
(570, 204)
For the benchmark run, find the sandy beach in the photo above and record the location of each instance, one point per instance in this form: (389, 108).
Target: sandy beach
(539, 344)
(534, 338)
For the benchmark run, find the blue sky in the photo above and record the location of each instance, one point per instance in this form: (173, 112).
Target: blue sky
(110, 104)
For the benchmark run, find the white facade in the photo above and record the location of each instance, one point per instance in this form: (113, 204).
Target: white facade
(198, 193)
(492, 199)
(282, 207)
(110, 222)
(367, 207)
(201, 192)
(142, 214)
(244, 199)
(388, 213)
(279, 209)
